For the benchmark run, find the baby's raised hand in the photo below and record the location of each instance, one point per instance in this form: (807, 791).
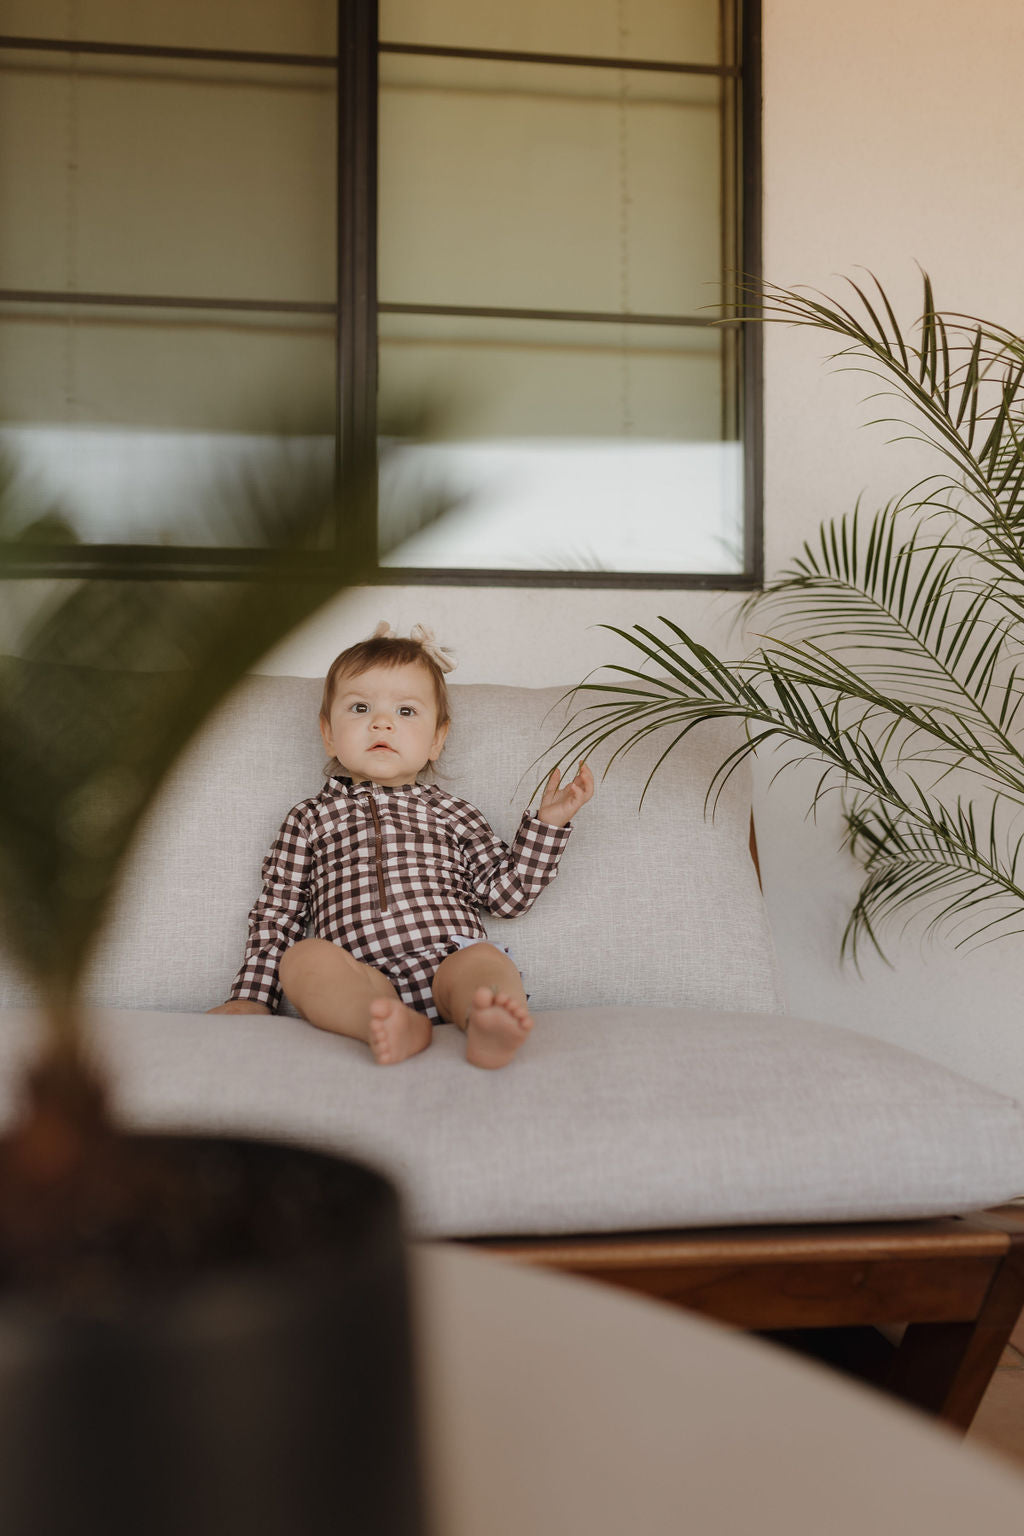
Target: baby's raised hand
(559, 805)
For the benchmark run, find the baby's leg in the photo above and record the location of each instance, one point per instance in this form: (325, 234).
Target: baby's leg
(336, 992)
(480, 990)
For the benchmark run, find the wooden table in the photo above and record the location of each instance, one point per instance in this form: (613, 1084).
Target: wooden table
(554, 1406)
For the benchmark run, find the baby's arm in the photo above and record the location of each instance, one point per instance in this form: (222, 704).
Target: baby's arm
(276, 921)
(507, 880)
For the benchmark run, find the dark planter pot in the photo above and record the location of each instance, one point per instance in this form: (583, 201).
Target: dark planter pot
(246, 1372)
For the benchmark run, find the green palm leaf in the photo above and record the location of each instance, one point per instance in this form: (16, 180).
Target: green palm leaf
(891, 649)
(966, 880)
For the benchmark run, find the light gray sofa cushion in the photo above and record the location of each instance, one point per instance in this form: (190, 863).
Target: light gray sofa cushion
(609, 1120)
(654, 907)
(661, 1086)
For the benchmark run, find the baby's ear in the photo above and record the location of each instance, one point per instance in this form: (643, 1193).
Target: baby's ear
(326, 736)
(440, 736)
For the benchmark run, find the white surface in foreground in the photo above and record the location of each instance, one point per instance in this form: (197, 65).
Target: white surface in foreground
(554, 1406)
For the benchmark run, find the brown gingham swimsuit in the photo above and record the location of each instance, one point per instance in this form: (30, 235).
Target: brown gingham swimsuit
(395, 876)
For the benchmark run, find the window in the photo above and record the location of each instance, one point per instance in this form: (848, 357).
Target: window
(228, 226)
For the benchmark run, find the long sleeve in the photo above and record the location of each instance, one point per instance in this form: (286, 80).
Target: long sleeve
(279, 917)
(507, 880)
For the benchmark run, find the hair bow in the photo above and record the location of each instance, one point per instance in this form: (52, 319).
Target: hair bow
(443, 657)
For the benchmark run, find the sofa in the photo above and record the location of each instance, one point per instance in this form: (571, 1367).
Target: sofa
(668, 1126)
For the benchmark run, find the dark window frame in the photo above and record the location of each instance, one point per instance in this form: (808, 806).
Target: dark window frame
(356, 307)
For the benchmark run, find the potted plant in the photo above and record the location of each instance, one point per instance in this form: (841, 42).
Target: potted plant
(890, 651)
(196, 1335)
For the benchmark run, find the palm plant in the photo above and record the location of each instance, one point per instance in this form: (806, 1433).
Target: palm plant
(890, 651)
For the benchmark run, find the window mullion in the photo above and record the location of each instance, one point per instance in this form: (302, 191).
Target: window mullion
(357, 267)
(751, 258)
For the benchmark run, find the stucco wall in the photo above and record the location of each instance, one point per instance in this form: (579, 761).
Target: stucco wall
(891, 137)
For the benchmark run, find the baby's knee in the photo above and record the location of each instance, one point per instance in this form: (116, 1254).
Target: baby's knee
(310, 956)
(294, 959)
(485, 949)
(482, 959)
(493, 955)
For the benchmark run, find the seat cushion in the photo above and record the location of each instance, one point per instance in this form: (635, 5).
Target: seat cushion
(613, 1119)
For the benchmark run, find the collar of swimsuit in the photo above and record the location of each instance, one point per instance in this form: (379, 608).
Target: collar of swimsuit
(366, 786)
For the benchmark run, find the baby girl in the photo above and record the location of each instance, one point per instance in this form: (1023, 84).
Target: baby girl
(391, 874)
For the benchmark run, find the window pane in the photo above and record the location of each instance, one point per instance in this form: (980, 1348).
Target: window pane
(540, 186)
(129, 421)
(131, 176)
(685, 31)
(575, 446)
(299, 26)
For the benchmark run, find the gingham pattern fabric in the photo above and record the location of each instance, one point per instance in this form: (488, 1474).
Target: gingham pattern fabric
(395, 876)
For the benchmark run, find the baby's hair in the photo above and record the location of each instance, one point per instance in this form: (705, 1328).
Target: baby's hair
(383, 651)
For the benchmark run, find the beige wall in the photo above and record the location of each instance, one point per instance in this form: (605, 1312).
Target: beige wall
(890, 129)
(891, 136)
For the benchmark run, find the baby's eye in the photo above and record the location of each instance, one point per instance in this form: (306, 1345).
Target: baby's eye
(406, 709)
(358, 709)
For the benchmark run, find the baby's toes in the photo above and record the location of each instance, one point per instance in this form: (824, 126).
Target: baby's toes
(517, 1008)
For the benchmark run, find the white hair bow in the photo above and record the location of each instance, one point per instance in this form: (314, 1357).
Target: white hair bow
(443, 656)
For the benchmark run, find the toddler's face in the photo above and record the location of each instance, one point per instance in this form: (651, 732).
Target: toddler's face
(383, 724)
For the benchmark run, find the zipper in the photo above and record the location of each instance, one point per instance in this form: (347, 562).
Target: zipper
(379, 852)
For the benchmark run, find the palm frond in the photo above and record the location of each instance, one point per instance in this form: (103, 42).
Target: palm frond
(931, 373)
(965, 881)
(774, 703)
(891, 650)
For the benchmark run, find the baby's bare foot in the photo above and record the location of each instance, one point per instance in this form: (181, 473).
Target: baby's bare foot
(496, 1027)
(396, 1032)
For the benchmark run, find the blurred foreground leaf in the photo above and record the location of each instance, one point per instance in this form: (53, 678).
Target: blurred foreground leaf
(114, 678)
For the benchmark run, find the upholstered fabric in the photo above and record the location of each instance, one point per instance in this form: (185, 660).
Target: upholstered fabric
(657, 906)
(662, 1086)
(611, 1119)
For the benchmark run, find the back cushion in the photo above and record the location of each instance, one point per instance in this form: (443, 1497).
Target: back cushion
(654, 907)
